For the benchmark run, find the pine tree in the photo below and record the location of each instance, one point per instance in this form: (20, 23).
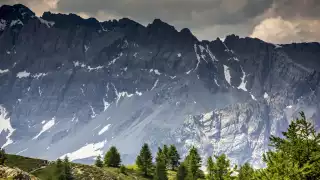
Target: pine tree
(144, 160)
(296, 155)
(165, 152)
(246, 172)
(123, 169)
(210, 169)
(193, 163)
(174, 157)
(112, 158)
(3, 156)
(221, 168)
(160, 169)
(98, 162)
(159, 154)
(182, 172)
(59, 170)
(67, 168)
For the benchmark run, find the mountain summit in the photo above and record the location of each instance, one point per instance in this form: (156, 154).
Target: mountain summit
(74, 86)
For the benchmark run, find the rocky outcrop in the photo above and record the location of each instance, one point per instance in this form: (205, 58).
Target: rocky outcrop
(15, 173)
(73, 86)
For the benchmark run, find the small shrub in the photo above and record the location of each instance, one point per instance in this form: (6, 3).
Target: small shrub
(122, 169)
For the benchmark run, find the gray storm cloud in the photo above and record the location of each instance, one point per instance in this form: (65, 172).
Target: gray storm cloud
(277, 21)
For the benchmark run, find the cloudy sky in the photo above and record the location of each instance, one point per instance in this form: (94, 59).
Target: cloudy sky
(277, 21)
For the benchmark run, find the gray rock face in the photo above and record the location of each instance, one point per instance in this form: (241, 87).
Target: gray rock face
(71, 86)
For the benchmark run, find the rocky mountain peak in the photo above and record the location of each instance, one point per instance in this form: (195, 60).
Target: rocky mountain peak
(14, 16)
(14, 12)
(70, 20)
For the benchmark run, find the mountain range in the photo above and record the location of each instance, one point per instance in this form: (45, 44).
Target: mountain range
(74, 86)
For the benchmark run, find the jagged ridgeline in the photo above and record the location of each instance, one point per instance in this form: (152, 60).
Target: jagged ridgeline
(73, 86)
(295, 155)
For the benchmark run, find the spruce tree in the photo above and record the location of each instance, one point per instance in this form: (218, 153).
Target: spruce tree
(193, 163)
(160, 172)
(2, 156)
(181, 172)
(67, 168)
(98, 162)
(221, 168)
(144, 160)
(165, 152)
(296, 155)
(112, 158)
(210, 169)
(246, 172)
(59, 170)
(174, 157)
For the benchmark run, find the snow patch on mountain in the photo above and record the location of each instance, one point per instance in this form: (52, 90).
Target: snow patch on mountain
(265, 95)
(89, 68)
(45, 127)
(3, 24)
(115, 59)
(5, 125)
(156, 71)
(105, 104)
(213, 57)
(155, 84)
(38, 75)
(40, 91)
(253, 97)
(49, 24)
(89, 150)
(215, 80)
(16, 22)
(197, 55)
(18, 153)
(2, 71)
(243, 82)
(138, 93)
(227, 74)
(104, 129)
(86, 48)
(23, 74)
(188, 72)
(94, 68)
(93, 113)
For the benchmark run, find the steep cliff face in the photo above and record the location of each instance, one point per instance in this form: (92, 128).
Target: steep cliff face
(76, 86)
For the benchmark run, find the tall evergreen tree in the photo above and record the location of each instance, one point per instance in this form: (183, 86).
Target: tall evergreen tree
(3, 156)
(159, 154)
(296, 155)
(193, 163)
(174, 157)
(67, 168)
(210, 169)
(160, 172)
(98, 162)
(165, 152)
(246, 172)
(59, 170)
(222, 169)
(181, 172)
(144, 160)
(112, 157)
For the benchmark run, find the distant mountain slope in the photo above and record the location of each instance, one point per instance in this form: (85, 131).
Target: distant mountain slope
(73, 86)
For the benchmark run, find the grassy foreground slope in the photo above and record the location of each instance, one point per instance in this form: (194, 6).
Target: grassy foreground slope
(45, 170)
